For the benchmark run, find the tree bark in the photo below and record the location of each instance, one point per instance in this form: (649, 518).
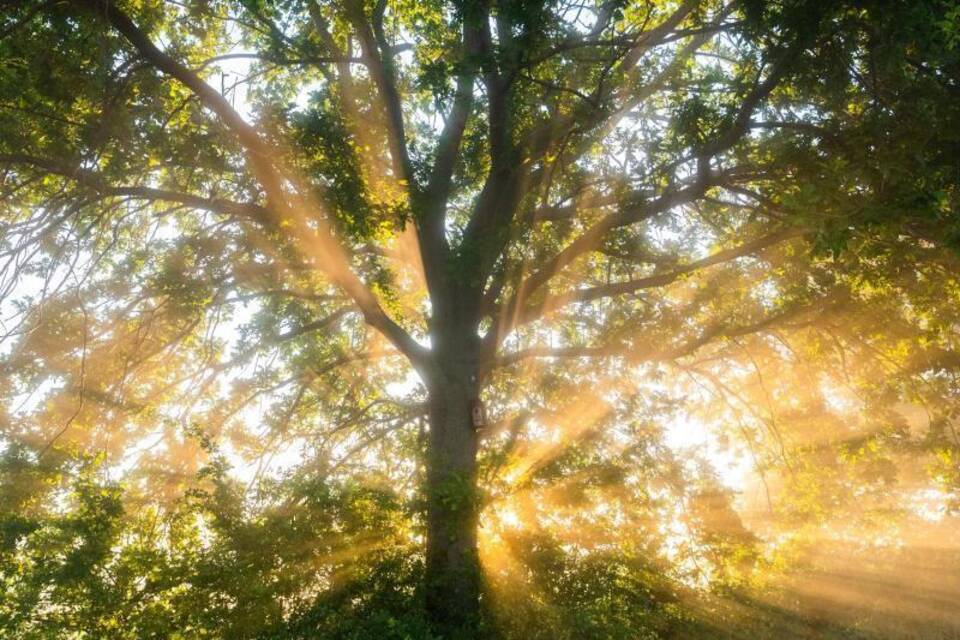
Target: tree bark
(452, 585)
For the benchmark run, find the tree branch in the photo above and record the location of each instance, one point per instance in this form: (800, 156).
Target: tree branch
(589, 240)
(634, 355)
(330, 255)
(98, 183)
(552, 303)
(377, 54)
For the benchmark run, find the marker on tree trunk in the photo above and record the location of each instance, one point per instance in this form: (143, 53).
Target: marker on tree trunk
(478, 414)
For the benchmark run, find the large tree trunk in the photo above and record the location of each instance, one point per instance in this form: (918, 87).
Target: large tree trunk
(453, 572)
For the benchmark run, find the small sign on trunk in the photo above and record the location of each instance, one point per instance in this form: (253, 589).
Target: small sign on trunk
(478, 414)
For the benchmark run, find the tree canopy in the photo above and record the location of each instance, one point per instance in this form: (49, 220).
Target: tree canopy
(485, 319)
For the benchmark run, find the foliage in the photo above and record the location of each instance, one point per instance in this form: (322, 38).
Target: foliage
(259, 260)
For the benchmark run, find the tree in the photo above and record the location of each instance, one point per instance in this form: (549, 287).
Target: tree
(510, 199)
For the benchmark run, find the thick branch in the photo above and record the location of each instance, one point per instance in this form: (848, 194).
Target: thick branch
(259, 153)
(552, 303)
(98, 183)
(588, 241)
(634, 355)
(431, 227)
(594, 236)
(378, 56)
(330, 255)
